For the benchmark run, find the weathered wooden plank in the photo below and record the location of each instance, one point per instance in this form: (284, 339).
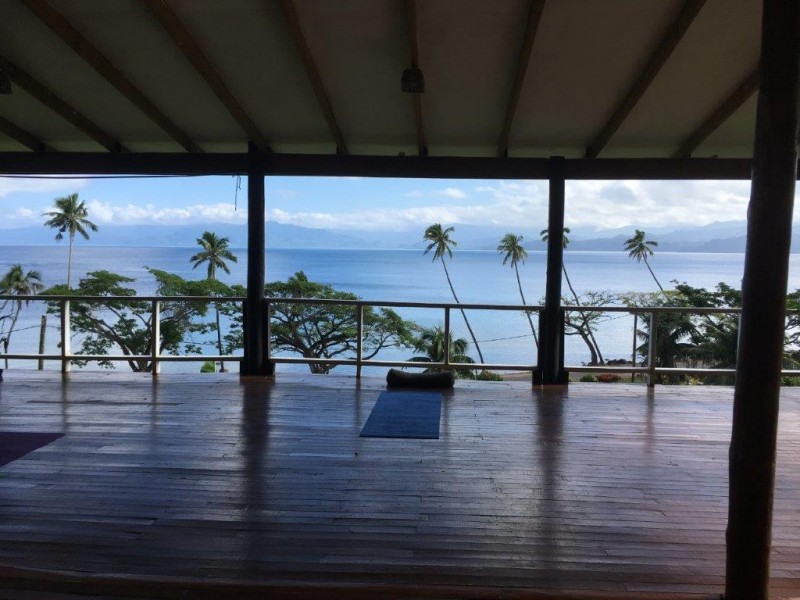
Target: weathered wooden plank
(603, 491)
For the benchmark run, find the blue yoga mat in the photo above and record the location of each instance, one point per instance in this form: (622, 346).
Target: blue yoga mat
(405, 415)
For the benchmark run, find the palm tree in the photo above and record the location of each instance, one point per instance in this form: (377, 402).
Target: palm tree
(16, 282)
(214, 252)
(70, 216)
(431, 342)
(594, 348)
(511, 246)
(441, 244)
(639, 249)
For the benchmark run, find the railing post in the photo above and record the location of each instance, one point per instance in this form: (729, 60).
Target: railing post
(633, 352)
(651, 350)
(446, 336)
(66, 349)
(360, 338)
(42, 334)
(155, 336)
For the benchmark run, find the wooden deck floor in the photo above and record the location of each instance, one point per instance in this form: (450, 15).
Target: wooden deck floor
(212, 486)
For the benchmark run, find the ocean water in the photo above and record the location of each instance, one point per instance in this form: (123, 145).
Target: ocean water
(402, 275)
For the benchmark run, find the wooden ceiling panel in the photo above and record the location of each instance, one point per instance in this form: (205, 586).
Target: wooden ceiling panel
(32, 116)
(734, 137)
(586, 57)
(248, 42)
(134, 42)
(469, 64)
(360, 63)
(41, 54)
(718, 52)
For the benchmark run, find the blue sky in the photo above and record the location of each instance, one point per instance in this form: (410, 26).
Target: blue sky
(351, 203)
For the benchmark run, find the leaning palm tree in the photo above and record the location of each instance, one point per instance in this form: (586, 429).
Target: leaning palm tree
(16, 282)
(511, 246)
(70, 216)
(544, 234)
(638, 248)
(441, 244)
(214, 252)
(431, 343)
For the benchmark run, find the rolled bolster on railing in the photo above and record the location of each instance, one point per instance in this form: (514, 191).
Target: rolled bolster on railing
(404, 379)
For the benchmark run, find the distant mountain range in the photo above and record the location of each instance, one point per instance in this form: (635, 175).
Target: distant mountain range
(728, 236)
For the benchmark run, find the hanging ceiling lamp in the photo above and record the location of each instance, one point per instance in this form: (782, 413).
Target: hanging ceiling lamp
(413, 81)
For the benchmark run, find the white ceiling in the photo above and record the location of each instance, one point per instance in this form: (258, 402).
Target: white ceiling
(586, 56)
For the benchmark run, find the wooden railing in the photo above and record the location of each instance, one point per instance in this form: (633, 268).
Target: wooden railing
(649, 369)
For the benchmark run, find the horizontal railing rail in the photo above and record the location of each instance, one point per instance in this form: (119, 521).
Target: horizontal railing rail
(155, 358)
(650, 369)
(359, 361)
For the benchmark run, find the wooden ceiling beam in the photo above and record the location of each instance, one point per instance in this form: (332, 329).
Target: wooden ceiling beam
(657, 60)
(23, 137)
(47, 97)
(89, 53)
(162, 11)
(743, 92)
(296, 31)
(529, 37)
(413, 45)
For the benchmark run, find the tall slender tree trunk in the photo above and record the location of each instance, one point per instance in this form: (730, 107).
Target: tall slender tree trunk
(7, 341)
(463, 314)
(584, 318)
(69, 261)
(653, 274)
(527, 314)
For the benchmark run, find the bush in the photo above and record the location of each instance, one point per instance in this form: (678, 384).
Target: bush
(790, 381)
(208, 366)
(488, 376)
(588, 378)
(608, 378)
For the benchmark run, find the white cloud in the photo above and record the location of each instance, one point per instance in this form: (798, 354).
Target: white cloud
(452, 192)
(595, 204)
(133, 214)
(54, 185)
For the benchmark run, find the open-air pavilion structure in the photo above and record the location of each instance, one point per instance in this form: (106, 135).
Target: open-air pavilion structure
(527, 89)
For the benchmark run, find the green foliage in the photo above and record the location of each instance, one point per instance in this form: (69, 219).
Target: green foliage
(16, 282)
(430, 342)
(127, 324)
(488, 376)
(587, 378)
(214, 251)
(70, 216)
(208, 366)
(325, 330)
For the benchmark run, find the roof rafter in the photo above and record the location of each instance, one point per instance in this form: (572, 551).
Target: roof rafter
(89, 53)
(534, 18)
(296, 31)
(194, 53)
(721, 113)
(657, 59)
(413, 44)
(23, 137)
(47, 97)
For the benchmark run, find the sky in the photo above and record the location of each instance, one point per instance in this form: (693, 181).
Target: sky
(352, 203)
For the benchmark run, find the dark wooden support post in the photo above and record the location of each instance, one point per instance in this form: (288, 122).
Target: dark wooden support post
(254, 361)
(761, 336)
(551, 341)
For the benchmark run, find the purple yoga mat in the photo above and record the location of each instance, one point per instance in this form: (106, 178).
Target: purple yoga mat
(15, 444)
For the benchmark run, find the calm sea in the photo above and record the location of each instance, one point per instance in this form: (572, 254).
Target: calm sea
(405, 275)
